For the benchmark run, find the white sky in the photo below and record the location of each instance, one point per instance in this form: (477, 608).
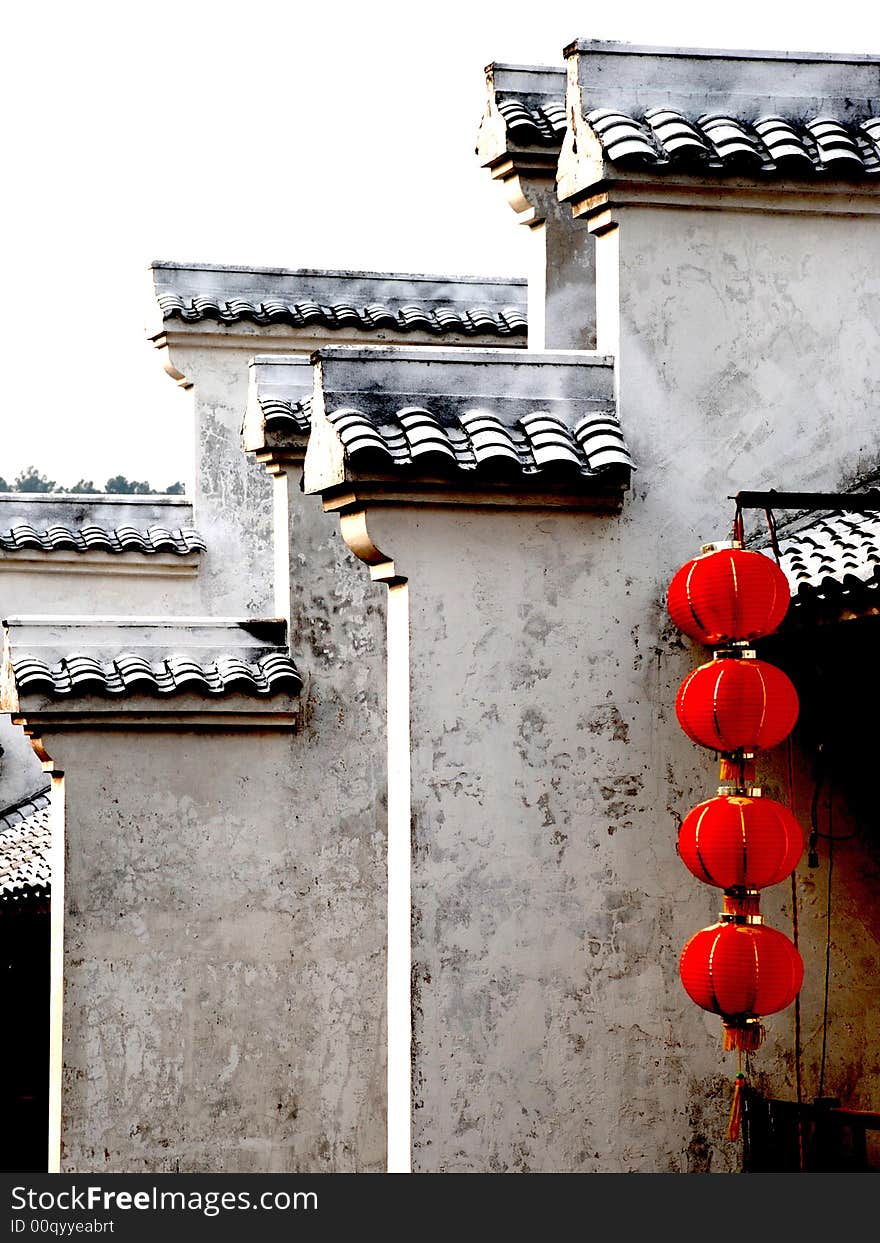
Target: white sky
(319, 134)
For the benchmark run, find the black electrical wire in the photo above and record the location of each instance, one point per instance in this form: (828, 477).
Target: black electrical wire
(774, 538)
(830, 838)
(795, 936)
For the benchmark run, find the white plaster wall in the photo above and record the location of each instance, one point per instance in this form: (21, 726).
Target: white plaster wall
(564, 279)
(223, 956)
(21, 773)
(248, 870)
(549, 772)
(551, 1031)
(232, 493)
(126, 588)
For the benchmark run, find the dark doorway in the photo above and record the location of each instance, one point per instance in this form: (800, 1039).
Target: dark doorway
(782, 1137)
(24, 1032)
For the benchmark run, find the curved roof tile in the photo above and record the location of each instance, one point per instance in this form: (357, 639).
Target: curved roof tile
(537, 441)
(774, 144)
(473, 321)
(90, 538)
(833, 562)
(126, 673)
(282, 416)
(531, 123)
(25, 841)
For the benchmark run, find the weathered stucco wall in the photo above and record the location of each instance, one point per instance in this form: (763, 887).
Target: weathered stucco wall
(136, 586)
(562, 275)
(225, 938)
(232, 494)
(223, 1006)
(549, 904)
(21, 773)
(549, 771)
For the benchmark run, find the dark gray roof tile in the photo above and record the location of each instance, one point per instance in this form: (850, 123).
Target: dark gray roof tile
(69, 658)
(25, 841)
(524, 111)
(664, 137)
(358, 301)
(104, 522)
(479, 413)
(538, 440)
(91, 538)
(533, 122)
(438, 320)
(126, 673)
(833, 560)
(280, 415)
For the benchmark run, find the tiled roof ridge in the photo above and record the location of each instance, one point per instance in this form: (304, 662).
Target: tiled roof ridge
(25, 841)
(282, 415)
(830, 557)
(477, 438)
(532, 121)
(91, 538)
(663, 137)
(129, 673)
(300, 313)
(245, 269)
(16, 812)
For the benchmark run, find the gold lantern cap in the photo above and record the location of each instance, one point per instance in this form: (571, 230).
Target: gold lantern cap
(719, 545)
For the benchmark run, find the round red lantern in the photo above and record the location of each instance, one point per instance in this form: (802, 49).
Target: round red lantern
(737, 704)
(740, 841)
(728, 594)
(741, 970)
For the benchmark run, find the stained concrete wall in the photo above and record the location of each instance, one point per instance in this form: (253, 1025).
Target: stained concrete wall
(549, 905)
(224, 969)
(222, 960)
(35, 582)
(49, 584)
(562, 275)
(21, 773)
(232, 493)
(549, 771)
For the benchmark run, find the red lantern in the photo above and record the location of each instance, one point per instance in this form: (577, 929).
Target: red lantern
(740, 841)
(732, 705)
(728, 594)
(741, 970)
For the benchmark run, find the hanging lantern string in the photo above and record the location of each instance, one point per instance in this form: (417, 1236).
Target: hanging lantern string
(730, 596)
(797, 1001)
(774, 538)
(735, 1118)
(827, 937)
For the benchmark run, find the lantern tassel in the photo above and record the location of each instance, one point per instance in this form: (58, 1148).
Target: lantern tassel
(744, 1039)
(733, 1122)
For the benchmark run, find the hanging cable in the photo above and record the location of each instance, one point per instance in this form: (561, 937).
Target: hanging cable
(830, 838)
(797, 1001)
(774, 539)
(798, 1075)
(812, 847)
